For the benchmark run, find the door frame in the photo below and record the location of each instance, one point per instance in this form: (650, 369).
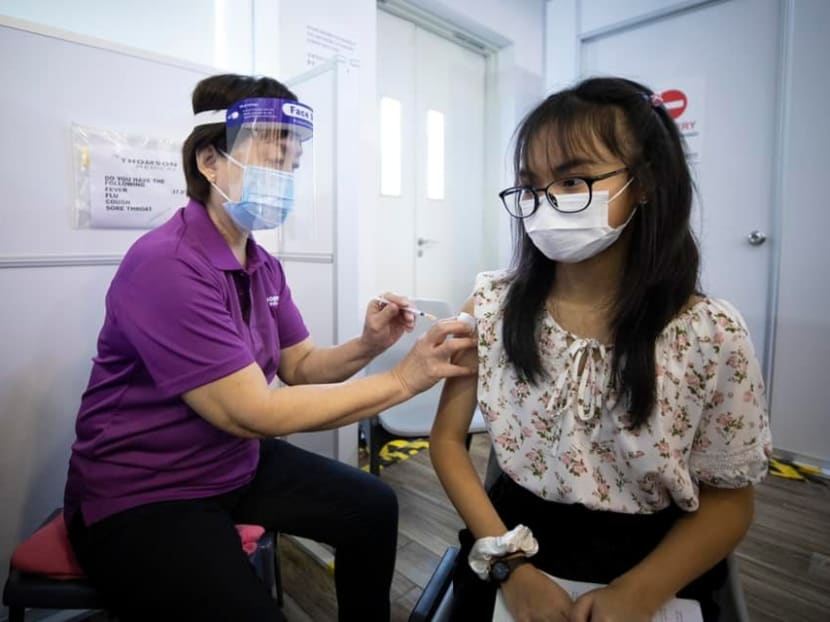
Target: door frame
(569, 45)
(501, 74)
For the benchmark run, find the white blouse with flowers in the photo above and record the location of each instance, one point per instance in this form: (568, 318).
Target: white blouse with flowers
(568, 438)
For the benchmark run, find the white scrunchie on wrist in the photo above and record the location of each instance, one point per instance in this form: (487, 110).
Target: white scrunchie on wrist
(518, 540)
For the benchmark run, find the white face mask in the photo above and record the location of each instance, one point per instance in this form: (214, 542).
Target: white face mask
(574, 237)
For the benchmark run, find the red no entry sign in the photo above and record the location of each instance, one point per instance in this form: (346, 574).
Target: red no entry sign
(675, 102)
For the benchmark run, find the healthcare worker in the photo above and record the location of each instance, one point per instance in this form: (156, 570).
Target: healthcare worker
(175, 433)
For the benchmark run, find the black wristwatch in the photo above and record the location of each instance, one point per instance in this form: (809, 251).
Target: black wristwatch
(501, 569)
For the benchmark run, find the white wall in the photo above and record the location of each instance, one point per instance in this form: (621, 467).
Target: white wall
(800, 410)
(205, 32)
(597, 14)
(518, 23)
(564, 18)
(353, 25)
(48, 342)
(353, 21)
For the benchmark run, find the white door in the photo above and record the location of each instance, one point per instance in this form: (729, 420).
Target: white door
(432, 163)
(730, 77)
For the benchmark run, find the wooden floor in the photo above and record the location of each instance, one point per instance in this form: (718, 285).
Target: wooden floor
(784, 560)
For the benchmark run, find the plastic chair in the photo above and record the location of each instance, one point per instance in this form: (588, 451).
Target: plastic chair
(436, 601)
(27, 590)
(730, 597)
(414, 417)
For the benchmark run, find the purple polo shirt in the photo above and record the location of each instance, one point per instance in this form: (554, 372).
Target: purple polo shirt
(180, 313)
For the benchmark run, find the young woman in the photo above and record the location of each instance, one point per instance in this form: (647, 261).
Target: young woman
(626, 410)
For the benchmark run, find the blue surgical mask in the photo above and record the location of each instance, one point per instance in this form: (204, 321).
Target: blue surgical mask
(267, 197)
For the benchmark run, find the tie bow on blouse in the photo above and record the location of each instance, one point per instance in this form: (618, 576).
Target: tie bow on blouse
(585, 384)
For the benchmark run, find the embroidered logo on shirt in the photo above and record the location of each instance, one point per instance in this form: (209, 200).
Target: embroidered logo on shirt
(273, 301)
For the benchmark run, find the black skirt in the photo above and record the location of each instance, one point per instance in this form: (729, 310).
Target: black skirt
(575, 543)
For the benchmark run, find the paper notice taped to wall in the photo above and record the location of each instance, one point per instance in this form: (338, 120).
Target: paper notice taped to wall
(125, 181)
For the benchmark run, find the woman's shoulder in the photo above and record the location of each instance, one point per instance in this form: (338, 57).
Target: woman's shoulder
(273, 269)
(492, 281)
(489, 294)
(266, 258)
(157, 249)
(707, 322)
(156, 254)
(706, 312)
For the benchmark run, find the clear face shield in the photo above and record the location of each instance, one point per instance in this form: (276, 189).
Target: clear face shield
(269, 161)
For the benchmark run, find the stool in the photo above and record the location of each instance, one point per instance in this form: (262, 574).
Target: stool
(73, 591)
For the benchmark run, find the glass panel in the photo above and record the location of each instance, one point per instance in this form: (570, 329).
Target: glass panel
(390, 147)
(309, 229)
(435, 154)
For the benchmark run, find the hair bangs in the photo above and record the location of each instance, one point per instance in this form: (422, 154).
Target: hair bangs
(567, 128)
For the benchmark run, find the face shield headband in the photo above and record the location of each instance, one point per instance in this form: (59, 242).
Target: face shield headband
(285, 113)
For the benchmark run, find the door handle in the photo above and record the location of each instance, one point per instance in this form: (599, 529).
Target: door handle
(756, 238)
(426, 242)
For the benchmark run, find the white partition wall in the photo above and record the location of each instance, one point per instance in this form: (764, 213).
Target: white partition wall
(54, 276)
(320, 243)
(207, 32)
(800, 410)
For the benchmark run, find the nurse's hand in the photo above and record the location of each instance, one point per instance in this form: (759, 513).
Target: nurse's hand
(385, 323)
(429, 359)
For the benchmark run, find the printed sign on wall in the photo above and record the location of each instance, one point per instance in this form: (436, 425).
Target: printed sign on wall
(126, 182)
(323, 44)
(683, 99)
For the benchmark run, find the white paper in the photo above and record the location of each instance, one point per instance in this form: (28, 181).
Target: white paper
(323, 44)
(132, 186)
(676, 610)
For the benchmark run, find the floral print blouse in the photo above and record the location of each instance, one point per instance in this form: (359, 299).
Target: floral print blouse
(568, 438)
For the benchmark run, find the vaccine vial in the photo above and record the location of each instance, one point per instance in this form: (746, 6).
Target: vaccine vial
(468, 319)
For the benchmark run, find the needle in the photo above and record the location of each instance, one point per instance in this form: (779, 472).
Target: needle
(412, 310)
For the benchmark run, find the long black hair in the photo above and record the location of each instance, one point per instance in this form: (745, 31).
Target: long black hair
(660, 271)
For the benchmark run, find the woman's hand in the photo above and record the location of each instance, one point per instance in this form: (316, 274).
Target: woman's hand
(429, 359)
(531, 596)
(385, 323)
(613, 603)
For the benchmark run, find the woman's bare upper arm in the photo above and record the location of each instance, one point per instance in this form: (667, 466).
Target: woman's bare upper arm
(291, 359)
(233, 403)
(458, 398)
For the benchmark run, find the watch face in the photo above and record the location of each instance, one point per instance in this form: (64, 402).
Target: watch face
(499, 572)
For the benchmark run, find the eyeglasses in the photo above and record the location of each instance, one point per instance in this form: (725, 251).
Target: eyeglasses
(517, 200)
